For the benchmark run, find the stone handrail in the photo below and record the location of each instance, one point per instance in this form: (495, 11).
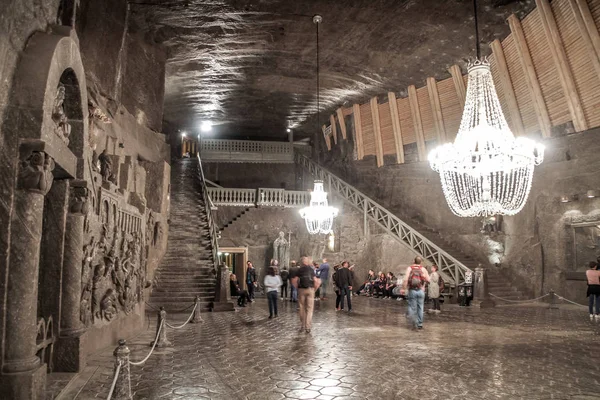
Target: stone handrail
(449, 267)
(215, 150)
(261, 197)
(212, 226)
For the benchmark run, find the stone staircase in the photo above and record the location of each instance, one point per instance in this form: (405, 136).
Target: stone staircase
(187, 269)
(497, 283)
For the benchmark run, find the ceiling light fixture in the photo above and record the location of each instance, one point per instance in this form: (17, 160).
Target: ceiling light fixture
(319, 214)
(183, 134)
(206, 126)
(486, 170)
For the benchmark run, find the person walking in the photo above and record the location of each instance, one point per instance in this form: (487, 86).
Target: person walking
(344, 284)
(416, 277)
(323, 274)
(272, 283)
(305, 280)
(434, 290)
(293, 289)
(593, 290)
(338, 294)
(284, 274)
(251, 280)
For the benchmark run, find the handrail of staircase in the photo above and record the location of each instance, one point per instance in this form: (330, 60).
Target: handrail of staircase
(448, 265)
(212, 226)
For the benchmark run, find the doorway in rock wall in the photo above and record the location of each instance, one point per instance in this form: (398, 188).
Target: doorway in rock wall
(235, 258)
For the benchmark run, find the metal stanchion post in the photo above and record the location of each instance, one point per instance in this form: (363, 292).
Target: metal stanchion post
(197, 317)
(122, 390)
(553, 304)
(161, 340)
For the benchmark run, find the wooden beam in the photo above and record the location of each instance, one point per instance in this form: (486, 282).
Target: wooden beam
(377, 131)
(326, 136)
(589, 32)
(416, 117)
(358, 142)
(436, 110)
(333, 128)
(507, 87)
(342, 121)
(530, 76)
(565, 75)
(393, 103)
(459, 84)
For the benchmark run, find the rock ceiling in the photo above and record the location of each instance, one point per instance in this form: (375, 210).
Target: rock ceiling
(250, 66)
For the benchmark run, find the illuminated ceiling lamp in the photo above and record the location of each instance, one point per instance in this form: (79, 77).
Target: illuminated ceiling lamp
(486, 170)
(319, 214)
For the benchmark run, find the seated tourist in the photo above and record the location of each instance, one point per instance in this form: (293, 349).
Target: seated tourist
(379, 285)
(237, 291)
(366, 286)
(389, 286)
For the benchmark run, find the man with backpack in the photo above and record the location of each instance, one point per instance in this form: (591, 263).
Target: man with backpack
(416, 278)
(307, 283)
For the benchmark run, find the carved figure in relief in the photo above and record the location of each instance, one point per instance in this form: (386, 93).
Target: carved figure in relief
(150, 229)
(108, 305)
(98, 286)
(281, 250)
(89, 252)
(95, 162)
(106, 168)
(36, 172)
(63, 128)
(85, 311)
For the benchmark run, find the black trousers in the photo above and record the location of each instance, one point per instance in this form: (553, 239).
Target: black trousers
(345, 293)
(272, 299)
(251, 291)
(243, 297)
(436, 303)
(284, 290)
(338, 298)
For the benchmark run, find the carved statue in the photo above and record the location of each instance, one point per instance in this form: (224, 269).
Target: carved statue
(106, 168)
(98, 286)
(95, 161)
(281, 250)
(150, 229)
(89, 252)
(36, 172)
(78, 203)
(63, 128)
(108, 305)
(85, 311)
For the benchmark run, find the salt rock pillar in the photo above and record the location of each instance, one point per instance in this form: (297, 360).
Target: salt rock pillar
(481, 297)
(222, 296)
(25, 375)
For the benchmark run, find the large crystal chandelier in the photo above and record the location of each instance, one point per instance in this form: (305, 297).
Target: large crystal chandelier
(486, 170)
(319, 214)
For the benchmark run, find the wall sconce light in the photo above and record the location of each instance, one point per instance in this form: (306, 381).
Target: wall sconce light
(591, 194)
(331, 242)
(568, 199)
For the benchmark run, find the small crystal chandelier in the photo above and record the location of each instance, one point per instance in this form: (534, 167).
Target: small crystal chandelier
(319, 214)
(486, 171)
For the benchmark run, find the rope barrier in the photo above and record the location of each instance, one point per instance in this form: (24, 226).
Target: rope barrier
(569, 301)
(114, 382)
(153, 346)
(519, 301)
(186, 322)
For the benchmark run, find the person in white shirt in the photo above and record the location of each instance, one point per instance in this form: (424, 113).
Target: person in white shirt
(272, 284)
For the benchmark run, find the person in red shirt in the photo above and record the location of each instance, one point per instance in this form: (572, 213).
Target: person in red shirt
(416, 277)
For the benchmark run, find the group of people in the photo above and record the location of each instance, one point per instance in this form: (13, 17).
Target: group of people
(308, 283)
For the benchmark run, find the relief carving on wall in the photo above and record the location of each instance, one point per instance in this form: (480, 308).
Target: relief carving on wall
(36, 172)
(106, 168)
(78, 200)
(63, 128)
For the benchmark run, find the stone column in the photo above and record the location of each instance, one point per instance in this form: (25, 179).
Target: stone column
(481, 297)
(69, 348)
(27, 377)
(222, 296)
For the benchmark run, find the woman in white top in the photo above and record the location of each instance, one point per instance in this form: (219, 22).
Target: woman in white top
(436, 286)
(272, 284)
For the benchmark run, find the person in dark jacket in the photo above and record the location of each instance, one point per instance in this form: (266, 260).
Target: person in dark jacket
(236, 291)
(251, 280)
(338, 293)
(284, 282)
(344, 284)
(293, 290)
(323, 274)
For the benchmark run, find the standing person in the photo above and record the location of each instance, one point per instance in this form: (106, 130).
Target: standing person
(323, 275)
(306, 282)
(416, 277)
(315, 267)
(436, 286)
(284, 274)
(344, 283)
(593, 290)
(294, 290)
(272, 283)
(251, 280)
(338, 294)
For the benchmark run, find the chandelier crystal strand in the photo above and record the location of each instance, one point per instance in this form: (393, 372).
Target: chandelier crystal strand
(486, 171)
(319, 214)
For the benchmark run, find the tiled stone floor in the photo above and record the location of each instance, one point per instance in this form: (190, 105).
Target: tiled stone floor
(509, 352)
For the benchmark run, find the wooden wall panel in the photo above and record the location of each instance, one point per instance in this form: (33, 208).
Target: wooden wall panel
(406, 123)
(586, 79)
(451, 108)
(500, 90)
(358, 146)
(368, 139)
(387, 132)
(429, 132)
